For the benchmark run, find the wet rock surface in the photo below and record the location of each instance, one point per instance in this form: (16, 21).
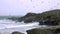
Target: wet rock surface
(51, 23)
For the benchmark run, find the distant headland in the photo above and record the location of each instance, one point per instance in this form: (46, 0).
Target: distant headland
(51, 15)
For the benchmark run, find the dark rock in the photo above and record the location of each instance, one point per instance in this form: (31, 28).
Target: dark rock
(28, 21)
(57, 31)
(28, 18)
(33, 31)
(32, 17)
(50, 20)
(39, 31)
(30, 14)
(49, 23)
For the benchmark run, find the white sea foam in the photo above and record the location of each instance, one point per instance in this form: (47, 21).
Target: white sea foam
(10, 26)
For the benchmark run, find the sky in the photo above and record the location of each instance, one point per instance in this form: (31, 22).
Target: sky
(22, 7)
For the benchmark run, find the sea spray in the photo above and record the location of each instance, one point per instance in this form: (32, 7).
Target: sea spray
(8, 26)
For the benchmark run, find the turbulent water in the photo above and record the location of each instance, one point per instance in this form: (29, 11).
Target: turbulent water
(8, 26)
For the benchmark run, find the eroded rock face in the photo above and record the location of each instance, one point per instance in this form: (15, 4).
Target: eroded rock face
(50, 20)
(37, 17)
(49, 23)
(30, 17)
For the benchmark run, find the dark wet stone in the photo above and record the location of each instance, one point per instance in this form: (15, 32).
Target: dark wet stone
(49, 23)
(28, 21)
(57, 31)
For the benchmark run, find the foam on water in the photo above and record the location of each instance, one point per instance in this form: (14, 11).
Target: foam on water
(13, 25)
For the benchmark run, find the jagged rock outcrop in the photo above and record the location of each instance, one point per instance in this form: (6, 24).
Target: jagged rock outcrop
(49, 21)
(46, 16)
(31, 17)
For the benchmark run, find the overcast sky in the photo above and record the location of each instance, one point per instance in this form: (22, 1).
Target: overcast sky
(21, 7)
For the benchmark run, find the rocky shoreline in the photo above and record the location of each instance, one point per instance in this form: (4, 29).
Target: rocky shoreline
(51, 17)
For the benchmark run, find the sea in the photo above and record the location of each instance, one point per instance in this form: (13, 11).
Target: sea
(8, 26)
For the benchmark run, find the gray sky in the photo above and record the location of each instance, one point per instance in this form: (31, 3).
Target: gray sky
(21, 7)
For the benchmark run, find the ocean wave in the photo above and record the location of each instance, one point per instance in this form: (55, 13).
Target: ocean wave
(11, 26)
(5, 23)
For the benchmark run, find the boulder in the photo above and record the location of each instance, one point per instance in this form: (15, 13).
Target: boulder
(17, 32)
